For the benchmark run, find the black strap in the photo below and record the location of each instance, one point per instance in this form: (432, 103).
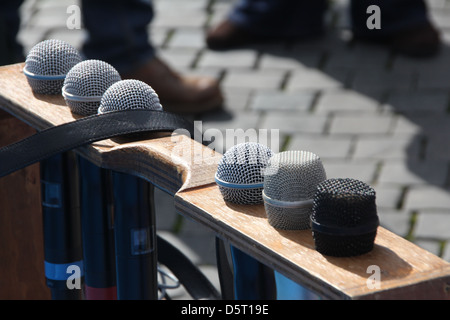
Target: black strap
(194, 281)
(90, 129)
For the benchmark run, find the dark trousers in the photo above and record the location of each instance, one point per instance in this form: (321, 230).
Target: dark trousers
(117, 32)
(296, 18)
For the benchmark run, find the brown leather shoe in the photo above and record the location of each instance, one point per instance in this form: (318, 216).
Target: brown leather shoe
(177, 93)
(420, 42)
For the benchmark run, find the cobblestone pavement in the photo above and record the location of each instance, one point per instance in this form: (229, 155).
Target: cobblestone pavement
(367, 113)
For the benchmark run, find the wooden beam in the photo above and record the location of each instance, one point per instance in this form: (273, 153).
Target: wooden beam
(21, 235)
(405, 268)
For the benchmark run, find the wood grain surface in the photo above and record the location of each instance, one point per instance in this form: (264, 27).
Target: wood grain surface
(21, 237)
(402, 264)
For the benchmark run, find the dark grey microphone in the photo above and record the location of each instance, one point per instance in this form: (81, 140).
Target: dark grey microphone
(344, 220)
(240, 173)
(47, 65)
(290, 182)
(85, 85)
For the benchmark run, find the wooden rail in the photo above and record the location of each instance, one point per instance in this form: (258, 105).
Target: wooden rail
(185, 168)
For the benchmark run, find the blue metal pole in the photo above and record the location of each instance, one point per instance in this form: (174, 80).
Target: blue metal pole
(135, 238)
(252, 279)
(290, 290)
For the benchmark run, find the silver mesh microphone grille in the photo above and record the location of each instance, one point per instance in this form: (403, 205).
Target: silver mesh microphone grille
(240, 173)
(85, 85)
(290, 182)
(48, 63)
(129, 94)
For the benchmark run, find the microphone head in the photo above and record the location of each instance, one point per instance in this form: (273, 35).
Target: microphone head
(240, 173)
(47, 65)
(344, 220)
(129, 94)
(290, 182)
(85, 85)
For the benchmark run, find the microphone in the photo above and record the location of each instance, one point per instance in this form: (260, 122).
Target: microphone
(129, 94)
(85, 85)
(82, 90)
(240, 173)
(106, 194)
(240, 180)
(135, 238)
(63, 252)
(134, 215)
(97, 210)
(344, 220)
(290, 182)
(47, 65)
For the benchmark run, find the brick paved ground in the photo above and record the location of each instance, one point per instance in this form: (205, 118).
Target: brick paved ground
(368, 114)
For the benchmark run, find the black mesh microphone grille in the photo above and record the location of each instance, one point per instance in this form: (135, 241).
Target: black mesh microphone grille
(47, 65)
(344, 219)
(290, 182)
(240, 173)
(85, 85)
